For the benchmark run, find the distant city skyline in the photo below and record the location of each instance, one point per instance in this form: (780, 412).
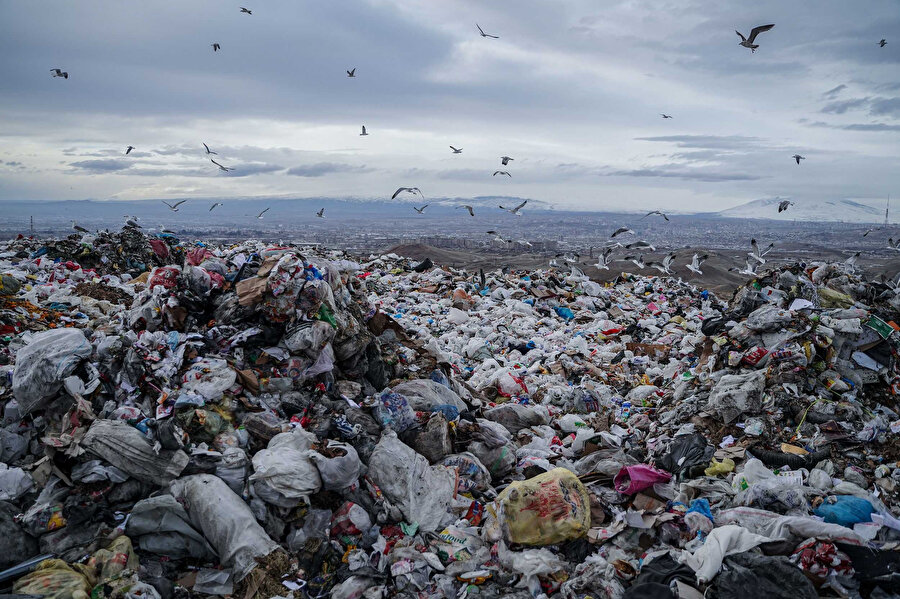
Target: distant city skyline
(573, 92)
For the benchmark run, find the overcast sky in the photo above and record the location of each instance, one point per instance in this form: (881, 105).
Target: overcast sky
(573, 90)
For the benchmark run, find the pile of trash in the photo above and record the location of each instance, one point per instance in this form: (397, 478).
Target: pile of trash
(263, 420)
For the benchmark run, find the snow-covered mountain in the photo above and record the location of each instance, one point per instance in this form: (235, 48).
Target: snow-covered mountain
(848, 211)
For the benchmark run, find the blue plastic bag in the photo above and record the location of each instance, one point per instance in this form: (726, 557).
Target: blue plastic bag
(564, 312)
(846, 510)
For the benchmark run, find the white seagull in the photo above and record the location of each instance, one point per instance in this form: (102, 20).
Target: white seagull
(364, 132)
(748, 42)
(749, 269)
(246, 11)
(893, 245)
(215, 205)
(59, 73)
(798, 158)
(351, 72)
(639, 261)
(696, 262)
(321, 213)
(504, 160)
(131, 221)
(412, 190)
(756, 254)
(208, 151)
(128, 150)
(656, 212)
(499, 237)
(469, 208)
(621, 231)
(456, 150)
(215, 47)
(173, 207)
(79, 228)
(640, 245)
(851, 261)
(783, 205)
(665, 116)
(260, 215)
(422, 209)
(483, 34)
(516, 209)
(222, 168)
(501, 173)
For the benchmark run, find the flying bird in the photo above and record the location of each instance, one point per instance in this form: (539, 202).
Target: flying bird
(798, 158)
(128, 150)
(665, 267)
(456, 150)
(621, 231)
(504, 160)
(869, 231)
(524, 242)
(570, 257)
(60, 73)
(783, 205)
(173, 207)
(749, 269)
(501, 173)
(215, 47)
(260, 215)
(882, 42)
(696, 262)
(639, 261)
(641, 245)
(222, 168)
(665, 116)
(249, 12)
(412, 190)
(516, 209)
(208, 151)
(321, 213)
(656, 212)
(851, 261)
(351, 72)
(363, 131)
(214, 205)
(79, 228)
(499, 237)
(422, 209)
(893, 245)
(748, 42)
(469, 208)
(483, 34)
(756, 254)
(603, 260)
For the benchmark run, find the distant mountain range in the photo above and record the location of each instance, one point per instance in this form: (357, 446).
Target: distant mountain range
(846, 211)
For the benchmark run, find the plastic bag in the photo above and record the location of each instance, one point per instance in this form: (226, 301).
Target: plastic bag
(225, 521)
(550, 508)
(425, 395)
(209, 377)
(473, 476)
(394, 411)
(55, 579)
(634, 479)
(737, 394)
(127, 449)
(286, 467)
(161, 525)
(43, 364)
(845, 510)
(338, 472)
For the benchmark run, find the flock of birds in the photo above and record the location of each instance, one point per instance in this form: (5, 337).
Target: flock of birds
(755, 257)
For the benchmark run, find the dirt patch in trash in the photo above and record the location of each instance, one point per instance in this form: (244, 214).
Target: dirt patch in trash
(99, 291)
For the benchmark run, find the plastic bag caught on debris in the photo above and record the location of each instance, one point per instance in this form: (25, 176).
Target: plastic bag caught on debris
(286, 468)
(225, 521)
(43, 364)
(737, 394)
(161, 525)
(341, 470)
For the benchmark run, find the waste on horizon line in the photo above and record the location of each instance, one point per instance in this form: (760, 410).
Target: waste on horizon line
(257, 420)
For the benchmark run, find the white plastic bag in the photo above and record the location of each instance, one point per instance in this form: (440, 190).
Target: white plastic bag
(43, 364)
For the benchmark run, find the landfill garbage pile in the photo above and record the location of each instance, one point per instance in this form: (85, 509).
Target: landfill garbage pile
(182, 419)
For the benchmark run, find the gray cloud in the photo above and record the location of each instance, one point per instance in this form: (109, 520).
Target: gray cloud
(842, 106)
(725, 142)
(834, 91)
(885, 107)
(101, 166)
(321, 169)
(704, 176)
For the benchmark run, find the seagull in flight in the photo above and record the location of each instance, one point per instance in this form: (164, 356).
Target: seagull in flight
(321, 213)
(756, 254)
(570, 257)
(79, 228)
(882, 43)
(639, 261)
(128, 150)
(851, 261)
(208, 151)
(469, 208)
(363, 131)
(174, 207)
(696, 262)
(421, 210)
(516, 209)
(783, 205)
(748, 42)
(656, 212)
(351, 72)
(412, 190)
(621, 231)
(749, 269)
(456, 150)
(215, 46)
(665, 116)
(798, 158)
(893, 245)
(666, 266)
(499, 237)
(640, 244)
(524, 242)
(60, 73)
(260, 215)
(504, 160)
(249, 12)
(222, 168)
(215, 205)
(501, 173)
(870, 230)
(603, 259)
(483, 34)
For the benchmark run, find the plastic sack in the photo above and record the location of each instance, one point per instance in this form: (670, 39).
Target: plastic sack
(308, 337)
(43, 364)
(127, 449)
(514, 417)
(550, 508)
(350, 519)
(233, 467)
(209, 377)
(845, 510)
(286, 467)
(110, 562)
(425, 395)
(14, 482)
(55, 579)
(737, 394)
(166, 276)
(225, 521)
(423, 493)
(161, 525)
(634, 479)
(340, 471)
(394, 411)
(716, 468)
(687, 454)
(499, 461)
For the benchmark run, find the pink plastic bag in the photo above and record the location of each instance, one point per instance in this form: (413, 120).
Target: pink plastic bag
(634, 479)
